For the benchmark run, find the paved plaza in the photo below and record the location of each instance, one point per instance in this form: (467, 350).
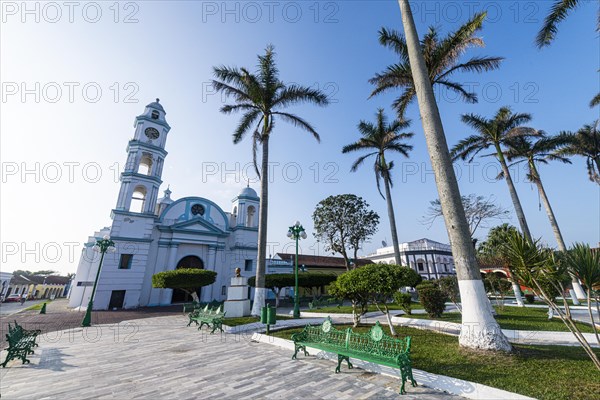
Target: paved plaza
(162, 358)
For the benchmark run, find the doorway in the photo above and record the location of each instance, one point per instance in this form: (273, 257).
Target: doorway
(117, 298)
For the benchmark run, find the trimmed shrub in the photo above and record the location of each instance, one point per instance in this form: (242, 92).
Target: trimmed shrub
(530, 298)
(404, 300)
(432, 299)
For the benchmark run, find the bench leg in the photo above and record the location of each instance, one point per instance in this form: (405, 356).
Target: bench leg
(202, 323)
(341, 358)
(406, 372)
(297, 348)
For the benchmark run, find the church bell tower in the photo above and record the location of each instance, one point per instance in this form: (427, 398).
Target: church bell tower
(146, 154)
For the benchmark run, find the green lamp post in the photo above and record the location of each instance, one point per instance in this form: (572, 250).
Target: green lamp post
(296, 232)
(101, 246)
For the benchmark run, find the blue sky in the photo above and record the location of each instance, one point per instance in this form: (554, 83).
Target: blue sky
(94, 67)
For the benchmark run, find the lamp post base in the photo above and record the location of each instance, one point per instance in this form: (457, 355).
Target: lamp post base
(87, 320)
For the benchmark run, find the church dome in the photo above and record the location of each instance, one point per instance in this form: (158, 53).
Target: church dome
(156, 105)
(248, 192)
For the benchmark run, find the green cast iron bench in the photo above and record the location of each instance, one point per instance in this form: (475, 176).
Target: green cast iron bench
(211, 317)
(20, 343)
(375, 346)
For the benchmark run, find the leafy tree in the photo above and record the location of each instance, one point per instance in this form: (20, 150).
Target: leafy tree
(371, 284)
(449, 287)
(377, 138)
(343, 223)
(44, 272)
(495, 133)
(276, 282)
(315, 281)
(262, 97)
(492, 252)
(432, 298)
(22, 272)
(545, 273)
(478, 210)
(404, 300)
(481, 331)
(442, 58)
(585, 264)
(585, 143)
(187, 279)
(496, 285)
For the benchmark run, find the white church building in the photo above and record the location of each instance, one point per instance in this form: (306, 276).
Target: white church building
(153, 235)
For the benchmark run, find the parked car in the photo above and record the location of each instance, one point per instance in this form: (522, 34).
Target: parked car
(13, 298)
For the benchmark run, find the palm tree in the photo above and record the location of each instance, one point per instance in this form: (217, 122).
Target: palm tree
(495, 133)
(585, 143)
(380, 137)
(262, 97)
(442, 60)
(479, 328)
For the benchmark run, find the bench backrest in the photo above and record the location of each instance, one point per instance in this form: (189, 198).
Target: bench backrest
(376, 341)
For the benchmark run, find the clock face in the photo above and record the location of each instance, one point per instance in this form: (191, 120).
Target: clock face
(198, 209)
(152, 133)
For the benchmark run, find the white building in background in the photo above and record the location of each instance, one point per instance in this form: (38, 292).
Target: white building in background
(431, 259)
(153, 235)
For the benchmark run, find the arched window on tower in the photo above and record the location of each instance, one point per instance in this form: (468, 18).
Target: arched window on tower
(155, 114)
(145, 167)
(138, 199)
(250, 216)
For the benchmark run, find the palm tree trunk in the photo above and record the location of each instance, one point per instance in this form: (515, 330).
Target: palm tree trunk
(392, 217)
(513, 195)
(479, 328)
(260, 292)
(579, 292)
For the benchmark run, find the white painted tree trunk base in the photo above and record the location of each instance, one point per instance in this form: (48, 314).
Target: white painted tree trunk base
(479, 329)
(579, 292)
(517, 292)
(574, 297)
(260, 294)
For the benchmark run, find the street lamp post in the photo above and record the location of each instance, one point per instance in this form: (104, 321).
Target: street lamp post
(101, 246)
(296, 232)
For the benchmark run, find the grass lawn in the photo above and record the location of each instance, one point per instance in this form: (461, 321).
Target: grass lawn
(543, 372)
(246, 320)
(37, 306)
(520, 318)
(348, 309)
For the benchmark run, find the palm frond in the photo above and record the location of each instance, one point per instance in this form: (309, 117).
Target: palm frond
(298, 122)
(245, 124)
(558, 12)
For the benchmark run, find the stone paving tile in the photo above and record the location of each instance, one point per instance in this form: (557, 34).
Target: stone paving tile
(162, 358)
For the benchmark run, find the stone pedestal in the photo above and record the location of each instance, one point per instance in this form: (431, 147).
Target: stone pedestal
(237, 303)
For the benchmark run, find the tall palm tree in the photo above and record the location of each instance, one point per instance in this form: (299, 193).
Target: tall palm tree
(585, 143)
(479, 328)
(442, 60)
(261, 97)
(495, 133)
(377, 138)
(539, 150)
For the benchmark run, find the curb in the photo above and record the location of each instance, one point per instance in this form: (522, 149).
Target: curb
(459, 387)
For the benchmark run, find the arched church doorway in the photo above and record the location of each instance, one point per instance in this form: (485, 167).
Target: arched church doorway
(180, 296)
